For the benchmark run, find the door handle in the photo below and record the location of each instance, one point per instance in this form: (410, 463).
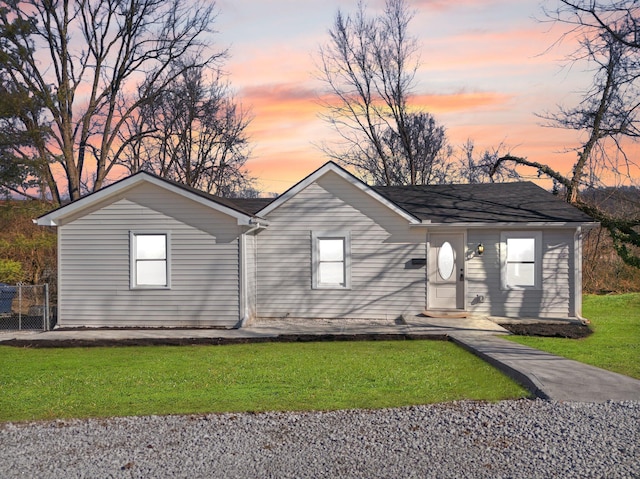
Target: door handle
(461, 274)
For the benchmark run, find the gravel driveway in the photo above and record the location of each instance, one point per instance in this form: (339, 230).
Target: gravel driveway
(459, 439)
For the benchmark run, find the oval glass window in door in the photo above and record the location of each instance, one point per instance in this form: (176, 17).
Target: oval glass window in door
(446, 260)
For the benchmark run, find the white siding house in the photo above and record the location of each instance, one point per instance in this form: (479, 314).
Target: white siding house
(146, 252)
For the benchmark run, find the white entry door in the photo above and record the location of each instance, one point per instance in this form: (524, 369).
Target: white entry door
(446, 271)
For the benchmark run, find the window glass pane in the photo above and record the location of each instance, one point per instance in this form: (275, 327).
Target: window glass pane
(521, 249)
(331, 249)
(151, 273)
(521, 274)
(446, 260)
(331, 273)
(151, 247)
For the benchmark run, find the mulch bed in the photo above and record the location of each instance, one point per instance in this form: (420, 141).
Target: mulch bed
(288, 338)
(569, 330)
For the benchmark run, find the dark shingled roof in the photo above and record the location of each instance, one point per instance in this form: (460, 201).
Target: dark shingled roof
(251, 205)
(520, 202)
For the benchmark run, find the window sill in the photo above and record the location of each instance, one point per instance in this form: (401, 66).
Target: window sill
(332, 287)
(521, 288)
(149, 288)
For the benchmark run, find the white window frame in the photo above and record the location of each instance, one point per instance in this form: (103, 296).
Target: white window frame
(316, 237)
(537, 237)
(134, 260)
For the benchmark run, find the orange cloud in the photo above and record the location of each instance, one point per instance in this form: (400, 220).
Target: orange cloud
(287, 127)
(461, 101)
(279, 109)
(278, 97)
(288, 101)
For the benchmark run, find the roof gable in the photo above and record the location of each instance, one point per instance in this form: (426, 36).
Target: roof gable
(348, 177)
(223, 205)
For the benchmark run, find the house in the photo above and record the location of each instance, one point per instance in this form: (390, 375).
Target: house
(148, 252)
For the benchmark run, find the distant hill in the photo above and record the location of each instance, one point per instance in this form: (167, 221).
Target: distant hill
(622, 201)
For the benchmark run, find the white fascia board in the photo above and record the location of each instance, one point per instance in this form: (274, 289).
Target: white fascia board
(54, 218)
(529, 225)
(327, 167)
(44, 221)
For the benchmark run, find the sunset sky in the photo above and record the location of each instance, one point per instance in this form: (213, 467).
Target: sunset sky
(487, 67)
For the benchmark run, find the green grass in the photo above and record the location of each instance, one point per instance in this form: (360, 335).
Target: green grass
(615, 342)
(99, 382)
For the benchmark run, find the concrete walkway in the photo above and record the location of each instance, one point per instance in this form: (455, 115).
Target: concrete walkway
(549, 376)
(413, 327)
(545, 375)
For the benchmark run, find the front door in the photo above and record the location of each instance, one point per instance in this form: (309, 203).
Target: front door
(446, 271)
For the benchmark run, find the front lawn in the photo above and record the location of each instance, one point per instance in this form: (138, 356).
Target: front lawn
(98, 382)
(615, 342)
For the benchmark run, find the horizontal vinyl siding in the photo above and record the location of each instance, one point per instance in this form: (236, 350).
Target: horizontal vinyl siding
(383, 282)
(94, 265)
(554, 298)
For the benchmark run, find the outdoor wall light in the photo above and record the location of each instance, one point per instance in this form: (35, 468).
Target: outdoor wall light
(480, 249)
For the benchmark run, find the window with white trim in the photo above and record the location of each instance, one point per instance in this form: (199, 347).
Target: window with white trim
(521, 259)
(150, 261)
(331, 260)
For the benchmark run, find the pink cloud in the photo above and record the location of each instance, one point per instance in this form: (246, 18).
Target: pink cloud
(447, 5)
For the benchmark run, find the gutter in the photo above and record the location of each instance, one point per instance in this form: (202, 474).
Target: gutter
(504, 224)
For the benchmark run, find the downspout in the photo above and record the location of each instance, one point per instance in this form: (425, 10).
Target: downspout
(244, 293)
(58, 278)
(577, 271)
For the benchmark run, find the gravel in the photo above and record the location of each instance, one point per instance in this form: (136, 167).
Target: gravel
(459, 439)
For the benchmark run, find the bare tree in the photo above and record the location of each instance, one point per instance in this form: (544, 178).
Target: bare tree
(369, 67)
(474, 168)
(80, 60)
(430, 150)
(193, 133)
(607, 116)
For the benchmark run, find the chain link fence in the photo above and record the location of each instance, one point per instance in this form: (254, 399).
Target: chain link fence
(25, 306)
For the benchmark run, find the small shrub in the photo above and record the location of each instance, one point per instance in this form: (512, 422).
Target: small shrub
(27, 251)
(10, 271)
